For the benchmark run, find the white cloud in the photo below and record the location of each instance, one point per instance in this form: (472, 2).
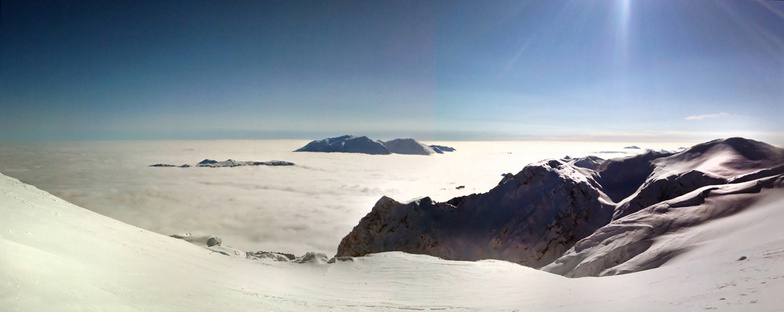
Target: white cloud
(700, 117)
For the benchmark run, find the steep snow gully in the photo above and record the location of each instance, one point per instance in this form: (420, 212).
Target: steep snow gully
(580, 216)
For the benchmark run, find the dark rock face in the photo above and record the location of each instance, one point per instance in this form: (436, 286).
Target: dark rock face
(162, 165)
(536, 215)
(346, 144)
(530, 219)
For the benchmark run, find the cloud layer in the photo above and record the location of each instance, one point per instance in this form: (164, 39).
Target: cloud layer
(307, 207)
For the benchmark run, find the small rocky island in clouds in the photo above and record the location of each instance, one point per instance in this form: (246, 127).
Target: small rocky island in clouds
(230, 163)
(365, 145)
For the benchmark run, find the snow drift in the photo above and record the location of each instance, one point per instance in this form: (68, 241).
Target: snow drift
(566, 212)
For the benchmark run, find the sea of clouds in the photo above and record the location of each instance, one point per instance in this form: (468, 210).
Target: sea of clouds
(306, 207)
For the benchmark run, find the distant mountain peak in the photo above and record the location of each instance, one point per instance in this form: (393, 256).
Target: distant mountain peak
(365, 145)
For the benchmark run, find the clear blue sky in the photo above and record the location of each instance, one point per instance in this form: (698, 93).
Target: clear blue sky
(480, 70)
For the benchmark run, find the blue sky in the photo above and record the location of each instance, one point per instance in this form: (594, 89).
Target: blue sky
(628, 70)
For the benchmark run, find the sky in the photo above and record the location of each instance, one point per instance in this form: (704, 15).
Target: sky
(627, 70)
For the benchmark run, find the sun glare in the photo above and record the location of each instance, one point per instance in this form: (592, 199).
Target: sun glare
(624, 14)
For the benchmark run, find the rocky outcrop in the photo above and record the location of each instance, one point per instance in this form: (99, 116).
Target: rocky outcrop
(535, 216)
(531, 219)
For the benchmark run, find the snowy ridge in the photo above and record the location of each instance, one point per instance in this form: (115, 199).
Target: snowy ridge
(625, 245)
(535, 216)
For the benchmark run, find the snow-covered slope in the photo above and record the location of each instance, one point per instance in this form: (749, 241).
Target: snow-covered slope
(533, 217)
(59, 257)
(711, 163)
